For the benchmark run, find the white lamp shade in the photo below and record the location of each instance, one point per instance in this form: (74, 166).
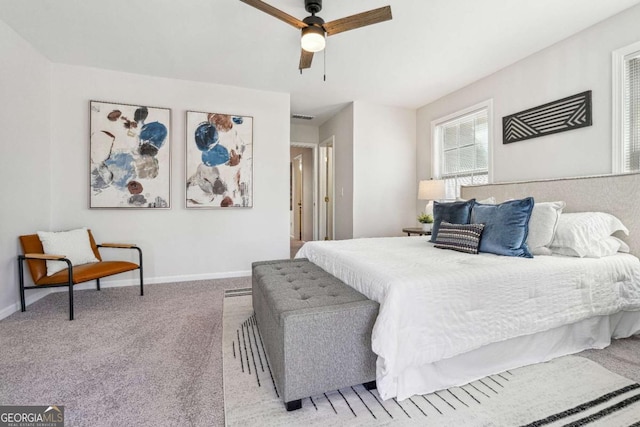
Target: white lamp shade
(432, 189)
(312, 39)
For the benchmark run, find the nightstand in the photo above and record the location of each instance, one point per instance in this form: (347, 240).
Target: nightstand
(416, 230)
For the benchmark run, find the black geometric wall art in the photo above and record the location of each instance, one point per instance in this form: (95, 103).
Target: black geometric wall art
(565, 114)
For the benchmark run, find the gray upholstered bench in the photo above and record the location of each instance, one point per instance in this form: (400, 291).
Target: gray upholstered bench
(316, 330)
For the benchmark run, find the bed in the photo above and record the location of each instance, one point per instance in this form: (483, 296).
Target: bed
(448, 318)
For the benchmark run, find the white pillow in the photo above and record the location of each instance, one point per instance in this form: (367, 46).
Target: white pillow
(606, 247)
(541, 250)
(623, 246)
(73, 244)
(542, 226)
(582, 232)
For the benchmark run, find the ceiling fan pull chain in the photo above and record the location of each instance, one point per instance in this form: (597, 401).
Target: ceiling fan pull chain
(324, 60)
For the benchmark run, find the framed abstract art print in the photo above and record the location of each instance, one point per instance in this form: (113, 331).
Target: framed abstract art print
(130, 156)
(219, 157)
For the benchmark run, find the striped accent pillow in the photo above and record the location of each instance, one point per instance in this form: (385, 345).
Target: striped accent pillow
(459, 237)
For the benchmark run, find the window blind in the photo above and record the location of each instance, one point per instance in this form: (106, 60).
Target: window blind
(463, 148)
(631, 134)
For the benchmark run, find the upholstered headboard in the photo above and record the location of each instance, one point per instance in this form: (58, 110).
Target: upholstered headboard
(616, 194)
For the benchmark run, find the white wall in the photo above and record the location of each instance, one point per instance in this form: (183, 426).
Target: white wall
(384, 169)
(579, 63)
(25, 90)
(375, 173)
(178, 243)
(341, 126)
(305, 133)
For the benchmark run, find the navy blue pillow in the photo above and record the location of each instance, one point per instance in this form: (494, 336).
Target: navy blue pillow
(506, 227)
(454, 213)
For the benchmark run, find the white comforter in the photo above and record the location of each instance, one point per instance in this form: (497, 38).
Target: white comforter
(435, 304)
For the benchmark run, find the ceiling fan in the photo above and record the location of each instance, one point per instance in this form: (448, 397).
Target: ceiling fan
(314, 29)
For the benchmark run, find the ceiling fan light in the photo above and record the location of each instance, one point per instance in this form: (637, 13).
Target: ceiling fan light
(312, 39)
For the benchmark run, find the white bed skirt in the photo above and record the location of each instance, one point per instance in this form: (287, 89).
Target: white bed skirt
(592, 333)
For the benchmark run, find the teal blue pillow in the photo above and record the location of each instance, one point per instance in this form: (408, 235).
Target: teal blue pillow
(454, 213)
(506, 227)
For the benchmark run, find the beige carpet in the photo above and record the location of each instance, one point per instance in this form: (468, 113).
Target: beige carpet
(565, 391)
(125, 360)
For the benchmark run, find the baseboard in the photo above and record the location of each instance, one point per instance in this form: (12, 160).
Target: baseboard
(30, 299)
(156, 280)
(33, 296)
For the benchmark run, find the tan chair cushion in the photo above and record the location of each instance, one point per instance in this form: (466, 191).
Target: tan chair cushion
(86, 272)
(81, 273)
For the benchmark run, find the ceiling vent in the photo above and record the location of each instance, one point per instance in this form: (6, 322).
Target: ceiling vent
(302, 117)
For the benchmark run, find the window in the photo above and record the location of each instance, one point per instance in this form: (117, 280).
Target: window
(626, 109)
(461, 148)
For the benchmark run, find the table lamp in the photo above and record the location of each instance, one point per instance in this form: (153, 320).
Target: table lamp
(432, 189)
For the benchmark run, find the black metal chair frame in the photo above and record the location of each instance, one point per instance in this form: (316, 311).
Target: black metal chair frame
(22, 258)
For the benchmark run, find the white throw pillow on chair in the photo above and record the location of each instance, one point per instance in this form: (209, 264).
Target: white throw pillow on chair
(73, 244)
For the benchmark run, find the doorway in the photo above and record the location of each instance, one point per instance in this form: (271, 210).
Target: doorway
(303, 194)
(298, 198)
(326, 202)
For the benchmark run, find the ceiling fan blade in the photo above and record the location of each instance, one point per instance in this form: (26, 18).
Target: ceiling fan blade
(277, 13)
(305, 59)
(359, 20)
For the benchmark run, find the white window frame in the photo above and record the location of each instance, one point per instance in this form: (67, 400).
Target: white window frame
(436, 154)
(619, 57)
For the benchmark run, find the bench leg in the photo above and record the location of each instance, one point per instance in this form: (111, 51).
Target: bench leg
(71, 301)
(70, 267)
(141, 274)
(371, 385)
(293, 405)
(141, 282)
(23, 306)
(98, 284)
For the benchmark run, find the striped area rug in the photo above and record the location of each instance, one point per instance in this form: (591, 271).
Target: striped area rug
(569, 391)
